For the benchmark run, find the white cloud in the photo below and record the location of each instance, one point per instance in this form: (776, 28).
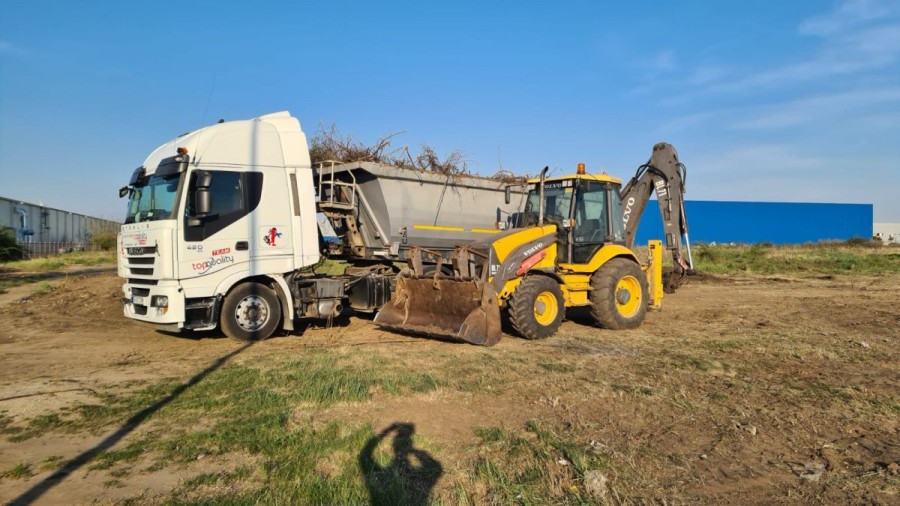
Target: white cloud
(706, 74)
(664, 61)
(7, 48)
(817, 109)
(849, 14)
(755, 160)
(790, 173)
(856, 37)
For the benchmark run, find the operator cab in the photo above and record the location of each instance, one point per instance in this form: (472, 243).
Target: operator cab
(585, 209)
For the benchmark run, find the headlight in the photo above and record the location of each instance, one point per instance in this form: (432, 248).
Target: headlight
(159, 301)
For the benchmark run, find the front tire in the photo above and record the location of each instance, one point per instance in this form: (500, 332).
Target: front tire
(251, 312)
(536, 307)
(620, 295)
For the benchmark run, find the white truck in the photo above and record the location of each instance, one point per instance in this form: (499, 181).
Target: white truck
(221, 228)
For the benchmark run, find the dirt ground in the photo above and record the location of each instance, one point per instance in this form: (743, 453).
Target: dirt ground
(741, 390)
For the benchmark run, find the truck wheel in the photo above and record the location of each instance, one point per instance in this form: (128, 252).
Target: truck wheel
(619, 295)
(251, 312)
(536, 307)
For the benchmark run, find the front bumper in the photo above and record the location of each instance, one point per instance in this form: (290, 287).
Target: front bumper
(139, 302)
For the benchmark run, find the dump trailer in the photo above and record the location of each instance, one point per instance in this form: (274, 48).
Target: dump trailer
(573, 248)
(379, 211)
(221, 229)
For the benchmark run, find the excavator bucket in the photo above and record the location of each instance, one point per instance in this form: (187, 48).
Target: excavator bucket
(445, 308)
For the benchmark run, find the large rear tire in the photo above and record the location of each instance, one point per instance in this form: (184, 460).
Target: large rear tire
(536, 307)
(251, 312)
(620, 295)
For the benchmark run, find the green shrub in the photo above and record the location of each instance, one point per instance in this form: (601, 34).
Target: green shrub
(106, 240)
(9, 249)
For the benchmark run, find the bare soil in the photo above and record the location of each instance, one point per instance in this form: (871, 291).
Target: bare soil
(741, 390)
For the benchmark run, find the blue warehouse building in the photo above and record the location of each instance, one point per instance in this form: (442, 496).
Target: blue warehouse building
(773, 222)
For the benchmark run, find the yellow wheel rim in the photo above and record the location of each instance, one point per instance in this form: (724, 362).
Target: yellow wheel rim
(545, 308)
(628, 296)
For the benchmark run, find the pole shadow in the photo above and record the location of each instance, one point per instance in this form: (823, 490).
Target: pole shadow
(132, 423)
(408, 478)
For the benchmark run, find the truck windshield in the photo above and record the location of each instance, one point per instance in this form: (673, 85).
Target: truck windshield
(153, 200)
(557, 200)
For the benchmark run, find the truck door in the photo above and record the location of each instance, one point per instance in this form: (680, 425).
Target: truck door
(219, 241)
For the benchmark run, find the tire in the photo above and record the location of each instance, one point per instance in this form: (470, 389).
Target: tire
(251, 312)
(620, 295)
(536, 307)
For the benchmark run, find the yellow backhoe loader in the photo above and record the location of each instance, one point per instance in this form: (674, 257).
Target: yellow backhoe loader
(572, 248)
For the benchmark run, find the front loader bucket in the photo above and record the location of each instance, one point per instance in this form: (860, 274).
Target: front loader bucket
(443, 307)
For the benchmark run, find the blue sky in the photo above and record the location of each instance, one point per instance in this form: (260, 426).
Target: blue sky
(765, 101)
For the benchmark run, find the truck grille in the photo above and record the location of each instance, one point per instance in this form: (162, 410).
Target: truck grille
(148, 282)
(141, 260)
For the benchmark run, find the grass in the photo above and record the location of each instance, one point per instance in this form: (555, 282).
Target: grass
(261, 420)
(822, 258)
(258, 411)
(535, 465)
(21, 269)
(250, 410)
(19, 471)
(82, 258)
(6, 284)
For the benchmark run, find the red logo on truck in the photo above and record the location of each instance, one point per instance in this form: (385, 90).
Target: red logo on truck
(271, 235)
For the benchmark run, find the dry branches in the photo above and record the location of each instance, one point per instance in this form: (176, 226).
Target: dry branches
(328, 144)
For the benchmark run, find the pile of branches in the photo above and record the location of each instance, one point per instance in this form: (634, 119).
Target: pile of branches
(328, 144)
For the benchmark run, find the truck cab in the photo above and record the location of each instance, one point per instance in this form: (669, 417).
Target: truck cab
(195, 227)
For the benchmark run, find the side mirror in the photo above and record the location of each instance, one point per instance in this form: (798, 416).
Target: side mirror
(123, 191)
(507, 194)
(202, 198)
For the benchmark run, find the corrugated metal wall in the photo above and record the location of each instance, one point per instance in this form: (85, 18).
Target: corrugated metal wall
(36, 223)
(774, 222)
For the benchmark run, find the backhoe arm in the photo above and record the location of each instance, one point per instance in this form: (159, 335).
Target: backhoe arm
(666, 175)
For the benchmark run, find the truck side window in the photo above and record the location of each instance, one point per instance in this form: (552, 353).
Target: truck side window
(233, 195)
(227, 195)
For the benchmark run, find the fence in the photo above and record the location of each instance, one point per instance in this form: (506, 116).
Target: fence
(49, 249)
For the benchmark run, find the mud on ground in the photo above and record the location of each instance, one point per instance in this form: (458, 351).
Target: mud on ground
(741, 390)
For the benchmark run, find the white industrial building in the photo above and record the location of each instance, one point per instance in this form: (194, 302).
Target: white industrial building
(38, 224)
(888, 232)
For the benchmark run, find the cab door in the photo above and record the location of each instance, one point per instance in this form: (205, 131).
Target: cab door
(215, 244)
(591, 215)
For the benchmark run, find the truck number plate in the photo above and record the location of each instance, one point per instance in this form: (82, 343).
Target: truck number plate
(136, 299)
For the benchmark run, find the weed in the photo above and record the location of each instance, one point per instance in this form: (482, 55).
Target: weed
(6, 424)
(36, 426)
(19, 471)
(130, 453)
(639, 390)
(721, 345)
(490, 434)
(218, 478)
(51, 462)
(558, 367)
(541, 469)
(43, 289)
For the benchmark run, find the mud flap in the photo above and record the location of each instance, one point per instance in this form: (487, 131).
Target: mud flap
(446, 308)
